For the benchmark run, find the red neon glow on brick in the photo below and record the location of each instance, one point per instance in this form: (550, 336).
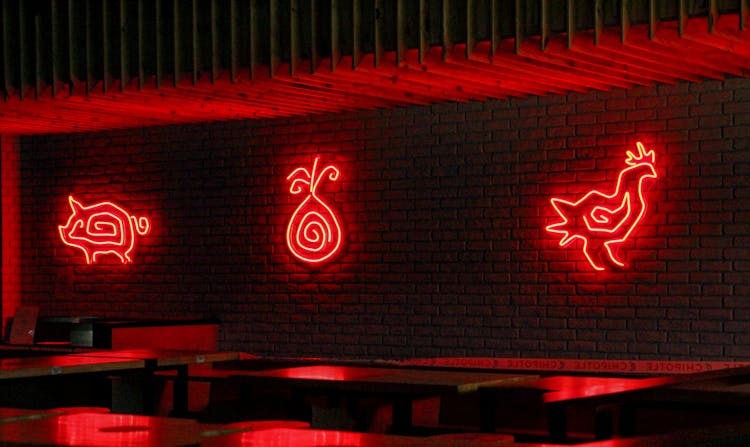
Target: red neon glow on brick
(313, 234)
(604, 221)
(103, 228)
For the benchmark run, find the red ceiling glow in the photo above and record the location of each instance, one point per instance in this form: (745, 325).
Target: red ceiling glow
(604, 221)
(102, 228)
(313, 234)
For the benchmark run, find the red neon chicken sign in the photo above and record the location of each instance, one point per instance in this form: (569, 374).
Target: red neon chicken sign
(313, 234)
(102, 228)
(604, 221)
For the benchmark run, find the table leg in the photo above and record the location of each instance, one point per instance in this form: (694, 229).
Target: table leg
(299, 408)
(557, 420)
(627, 420)
(604, 422)
(149, 390)
(487, 410)
(180, 392)
(402, 416)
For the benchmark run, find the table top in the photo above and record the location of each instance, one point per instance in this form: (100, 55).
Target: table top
(628, 389)
(97, 429)
(559, 383)
(165, 357)
(51, 365)
(726, 392)
(566, 384)
(20, 414)
(381, 379)
(333, 438)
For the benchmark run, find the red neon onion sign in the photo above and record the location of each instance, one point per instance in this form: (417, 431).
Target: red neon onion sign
(604, 221)
(102, 228)
(313, 234)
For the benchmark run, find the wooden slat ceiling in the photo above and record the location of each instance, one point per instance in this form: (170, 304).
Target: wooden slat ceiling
(89, 65)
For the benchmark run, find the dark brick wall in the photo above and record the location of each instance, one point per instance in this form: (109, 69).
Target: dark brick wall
(444, 210)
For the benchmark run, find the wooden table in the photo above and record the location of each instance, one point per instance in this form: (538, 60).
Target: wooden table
(400, 386)
(727, 392)
(53, 365)
(613, 401)
(97, 429)
(534, 393)
(165, 359)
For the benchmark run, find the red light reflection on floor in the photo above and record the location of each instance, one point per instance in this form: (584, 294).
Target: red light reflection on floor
(309, 438)
(324, 372)
(604, 221)
(102, 228)
(100, 429)
(117, 430)
(313, 234)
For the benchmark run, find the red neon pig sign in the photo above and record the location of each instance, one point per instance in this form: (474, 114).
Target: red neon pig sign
(103, 228)
(604, 221)
(313, 234)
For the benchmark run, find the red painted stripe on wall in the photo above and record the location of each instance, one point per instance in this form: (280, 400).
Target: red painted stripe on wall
(577, 365)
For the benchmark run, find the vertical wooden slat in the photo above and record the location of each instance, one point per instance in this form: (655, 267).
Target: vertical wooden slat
(682, 17)
(37, 56)
(7, 76)
(56, 52)
(447, 29)
(141, 42)
(570, 26)
(470, 28)
(624, 20)
(195, 42)
(713, 15)
(73, 47)
(314, 37)
(124, 50)
(274, 39)
(176, 47)
(335, 47)
(598, 20)
(106, 70)
(495, 30)
(653, 19)
(544, 23)
(89, 48)
(424, 37)
(159, 43)
(400, 31)
(378, 32)
(215, 50)
(356, 33)
(22, 48)
(518, 31)
(253, 36)
(234, 43)
(743, 15)
(294, 36)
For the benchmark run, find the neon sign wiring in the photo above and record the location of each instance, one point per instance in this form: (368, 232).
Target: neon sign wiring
(313, 234)
(604, 221)
(102, 228)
